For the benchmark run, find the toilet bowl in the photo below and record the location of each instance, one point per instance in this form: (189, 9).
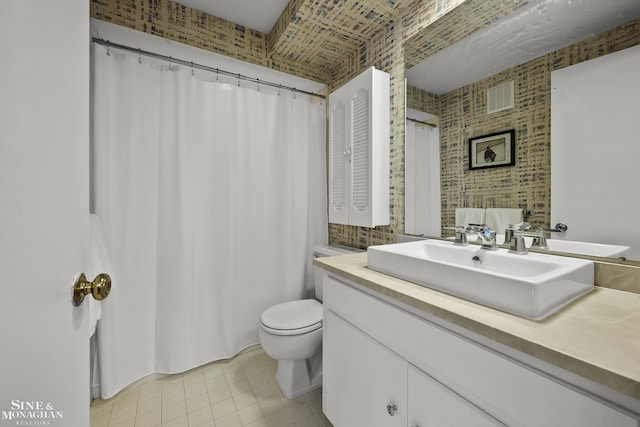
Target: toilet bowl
(291, 333)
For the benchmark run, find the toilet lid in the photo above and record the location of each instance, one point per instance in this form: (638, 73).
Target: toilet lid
(294, 316)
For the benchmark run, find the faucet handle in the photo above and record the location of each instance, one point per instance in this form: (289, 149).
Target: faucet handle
(511, 228)
(517, 244)
(540, 239)
(460, 235)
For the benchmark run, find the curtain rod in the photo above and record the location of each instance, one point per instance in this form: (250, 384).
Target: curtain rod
(421, 122)
(192, 64)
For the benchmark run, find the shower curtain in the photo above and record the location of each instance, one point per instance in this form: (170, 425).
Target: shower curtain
(210, 197)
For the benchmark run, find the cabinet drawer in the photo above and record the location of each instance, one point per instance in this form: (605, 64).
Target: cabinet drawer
(433, 404)
(498, 385)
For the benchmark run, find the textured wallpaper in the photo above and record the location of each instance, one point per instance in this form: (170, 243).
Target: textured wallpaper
(331, 42)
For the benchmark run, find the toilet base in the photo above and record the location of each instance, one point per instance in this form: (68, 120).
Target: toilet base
(297, 377)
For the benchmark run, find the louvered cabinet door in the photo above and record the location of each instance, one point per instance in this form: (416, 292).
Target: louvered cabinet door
(359, 151)
(360, 173)
(339, 153)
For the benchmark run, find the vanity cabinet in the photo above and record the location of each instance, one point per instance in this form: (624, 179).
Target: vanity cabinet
(384, 366)
(359, 126)
(370, 380)
(373, 386)
(431, 403)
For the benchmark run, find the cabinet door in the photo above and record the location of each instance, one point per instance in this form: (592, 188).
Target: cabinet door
(433, 404)
(360, 124)
(359, 151)
(362, 380)
(339, 152)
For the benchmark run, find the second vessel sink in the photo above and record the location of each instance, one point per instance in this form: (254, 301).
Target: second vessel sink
(532, 286)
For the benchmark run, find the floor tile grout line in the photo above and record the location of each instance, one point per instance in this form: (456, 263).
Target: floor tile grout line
(236, 368)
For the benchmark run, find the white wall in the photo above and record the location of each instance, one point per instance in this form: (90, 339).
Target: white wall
(595, 150)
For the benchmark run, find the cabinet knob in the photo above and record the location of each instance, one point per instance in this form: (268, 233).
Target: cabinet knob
(391, 409)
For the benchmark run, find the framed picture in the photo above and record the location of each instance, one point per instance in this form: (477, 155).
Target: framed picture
(492, 151)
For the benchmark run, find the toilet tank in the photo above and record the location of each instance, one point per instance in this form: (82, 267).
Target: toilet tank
(320, 251)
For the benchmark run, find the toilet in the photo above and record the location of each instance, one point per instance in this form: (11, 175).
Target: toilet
(291, 333)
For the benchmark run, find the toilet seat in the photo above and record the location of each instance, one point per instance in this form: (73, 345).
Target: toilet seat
(292, 318)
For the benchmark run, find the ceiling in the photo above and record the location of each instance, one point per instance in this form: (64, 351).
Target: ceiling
(538, 28)
(317, 34)
(323, 33)
(259, 15)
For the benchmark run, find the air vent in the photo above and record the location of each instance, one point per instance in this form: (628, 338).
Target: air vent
(500, 97)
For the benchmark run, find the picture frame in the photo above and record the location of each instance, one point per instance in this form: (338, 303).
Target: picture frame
(492, 151)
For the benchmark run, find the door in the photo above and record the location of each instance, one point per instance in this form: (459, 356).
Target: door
(364, 383)
(339, 157)
(44, 189)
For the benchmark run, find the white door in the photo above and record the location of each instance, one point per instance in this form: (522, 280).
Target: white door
(44, 189)
(339, 156)
(364, 383)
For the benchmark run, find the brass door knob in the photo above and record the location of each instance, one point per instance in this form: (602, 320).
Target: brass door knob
(99, 288)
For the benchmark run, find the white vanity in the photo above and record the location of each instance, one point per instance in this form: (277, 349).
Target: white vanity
(399, 354)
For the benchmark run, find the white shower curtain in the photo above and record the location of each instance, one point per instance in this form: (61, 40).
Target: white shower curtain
(210, 197)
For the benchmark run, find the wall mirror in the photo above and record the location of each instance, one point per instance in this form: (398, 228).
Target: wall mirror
(452, 63)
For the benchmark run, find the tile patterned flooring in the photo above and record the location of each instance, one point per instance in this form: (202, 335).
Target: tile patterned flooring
(229, 393)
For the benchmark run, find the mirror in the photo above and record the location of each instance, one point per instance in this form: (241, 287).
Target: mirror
(449, 71)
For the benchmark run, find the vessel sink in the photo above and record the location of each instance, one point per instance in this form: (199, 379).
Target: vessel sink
(532, 285)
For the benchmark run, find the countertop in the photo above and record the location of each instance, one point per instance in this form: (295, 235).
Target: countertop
(596, 337)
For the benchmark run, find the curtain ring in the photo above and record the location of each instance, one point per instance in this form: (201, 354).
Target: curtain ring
(139, 56)
(108, 44)
(192, 68)
(217, 75)
(258, 85)
(239, 79)
(170, 63)
(279, 87)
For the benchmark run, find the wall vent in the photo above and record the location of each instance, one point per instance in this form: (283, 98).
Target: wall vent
(500, 97)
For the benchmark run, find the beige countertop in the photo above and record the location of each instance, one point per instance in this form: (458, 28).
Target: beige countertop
(596, 337)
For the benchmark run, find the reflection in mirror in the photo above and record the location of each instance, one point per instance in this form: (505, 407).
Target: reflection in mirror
(601, 155)
(422, 174)
(463, 112)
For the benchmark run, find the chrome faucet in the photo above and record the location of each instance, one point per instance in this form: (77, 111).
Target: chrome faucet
(488, 238)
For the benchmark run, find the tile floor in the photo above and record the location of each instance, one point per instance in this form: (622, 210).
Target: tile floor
(229, 393)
